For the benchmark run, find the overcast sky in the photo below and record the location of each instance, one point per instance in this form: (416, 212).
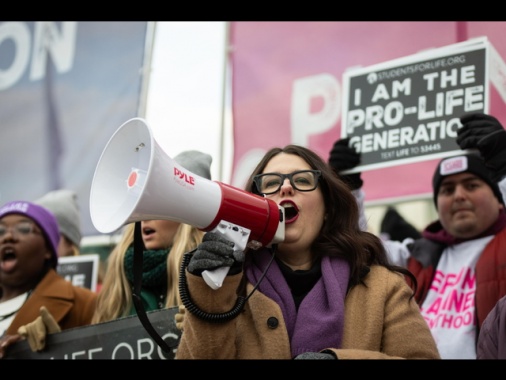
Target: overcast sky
(184, 101)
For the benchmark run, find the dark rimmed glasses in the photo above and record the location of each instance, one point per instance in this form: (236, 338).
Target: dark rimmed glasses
(20, 229)
(302, 180)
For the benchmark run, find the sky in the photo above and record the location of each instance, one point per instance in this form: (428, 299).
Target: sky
(185, 94)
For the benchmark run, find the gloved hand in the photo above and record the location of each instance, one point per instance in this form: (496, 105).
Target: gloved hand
(343, 157)
(37, 330)
(215, 251)
(485, 133)
(325, 355)
(179, 317)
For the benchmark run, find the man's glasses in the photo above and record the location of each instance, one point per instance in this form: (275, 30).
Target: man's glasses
(302, 180)
(21, 229)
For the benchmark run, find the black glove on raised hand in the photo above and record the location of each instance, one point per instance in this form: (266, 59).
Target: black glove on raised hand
(215, 251)
(485, 133)
(343, 157)
(326, 355)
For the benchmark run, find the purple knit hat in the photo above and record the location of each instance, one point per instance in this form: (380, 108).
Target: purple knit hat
(40, 215)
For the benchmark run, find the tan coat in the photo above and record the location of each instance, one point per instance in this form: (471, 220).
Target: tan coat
(71, 306)
(379, 323)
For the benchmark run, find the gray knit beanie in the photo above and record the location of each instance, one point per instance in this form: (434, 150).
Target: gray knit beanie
(195, 161)
(63, 204)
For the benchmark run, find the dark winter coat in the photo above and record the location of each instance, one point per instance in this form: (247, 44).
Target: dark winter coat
(492, 338)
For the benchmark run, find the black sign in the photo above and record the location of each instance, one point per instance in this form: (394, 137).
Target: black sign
(124, 338)
(408, 110)
(80, 270)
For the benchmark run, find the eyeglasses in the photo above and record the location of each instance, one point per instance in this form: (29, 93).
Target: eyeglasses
(21, 229)
(302, 180)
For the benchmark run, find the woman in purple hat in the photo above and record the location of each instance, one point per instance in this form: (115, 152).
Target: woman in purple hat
(33, 297)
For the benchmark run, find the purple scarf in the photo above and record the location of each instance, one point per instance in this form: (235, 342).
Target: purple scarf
(319, 322)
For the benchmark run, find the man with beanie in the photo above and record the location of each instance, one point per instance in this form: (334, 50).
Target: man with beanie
(460, 260)
(63, 204)
(34, 299)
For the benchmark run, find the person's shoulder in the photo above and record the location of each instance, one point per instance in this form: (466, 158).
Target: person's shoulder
(57, 283)
(501, 304)
(84, 291)
(380, 277)
(499, 310)
(380, 271)
(53, 282)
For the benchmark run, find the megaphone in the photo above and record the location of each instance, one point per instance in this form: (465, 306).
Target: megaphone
(136, 180)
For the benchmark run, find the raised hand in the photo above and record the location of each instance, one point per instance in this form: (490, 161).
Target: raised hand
(343, 157)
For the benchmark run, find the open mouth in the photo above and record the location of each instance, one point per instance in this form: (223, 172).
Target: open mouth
(7, 254)
(291, 211)
(7, 259)
(148, 231)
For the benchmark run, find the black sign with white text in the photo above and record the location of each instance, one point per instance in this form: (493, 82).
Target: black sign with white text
(80, 270)
(408, 110)
(124, 338)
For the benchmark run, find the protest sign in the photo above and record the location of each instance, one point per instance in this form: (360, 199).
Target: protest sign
(407, 110)
(124, 338)
(80, 270)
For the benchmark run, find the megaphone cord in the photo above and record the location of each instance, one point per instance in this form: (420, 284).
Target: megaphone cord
(213, 317)
(192, 308)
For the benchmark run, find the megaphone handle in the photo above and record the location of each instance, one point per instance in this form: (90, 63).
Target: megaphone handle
(214, 278)
(239, 235)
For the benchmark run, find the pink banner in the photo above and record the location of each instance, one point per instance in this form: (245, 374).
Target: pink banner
(287, 86)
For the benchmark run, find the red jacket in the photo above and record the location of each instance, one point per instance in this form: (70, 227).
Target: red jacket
(490, 272)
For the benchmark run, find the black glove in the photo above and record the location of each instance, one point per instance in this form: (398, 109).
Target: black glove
(215, 251)
(485, 133)
(325, 355)
(396, 227)
(343, 157)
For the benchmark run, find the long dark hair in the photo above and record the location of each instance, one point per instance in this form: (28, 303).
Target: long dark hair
(340, 235)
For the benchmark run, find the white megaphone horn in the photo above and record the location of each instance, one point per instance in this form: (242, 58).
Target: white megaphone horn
(136, 180)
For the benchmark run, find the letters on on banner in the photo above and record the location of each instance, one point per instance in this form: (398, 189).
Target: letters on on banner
(408, 109)
(124, 338)
(80, 270)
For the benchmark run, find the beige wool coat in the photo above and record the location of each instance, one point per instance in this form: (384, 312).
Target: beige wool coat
(380, 323)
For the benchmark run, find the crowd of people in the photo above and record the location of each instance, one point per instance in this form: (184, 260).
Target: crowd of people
(330, 290)
(29, 306)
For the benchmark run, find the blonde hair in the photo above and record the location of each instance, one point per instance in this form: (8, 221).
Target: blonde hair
(75, 251)
(115, 297)
(187, 238)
